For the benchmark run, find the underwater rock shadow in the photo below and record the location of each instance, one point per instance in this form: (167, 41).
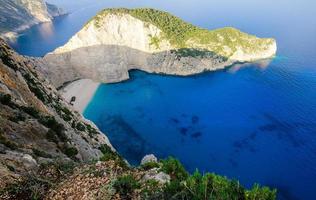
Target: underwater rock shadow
(190, 128)
(245, 144)
(196, 135)
(195, 119)
(126, 140)
(183, 131)
(174, 120)
(284, 130)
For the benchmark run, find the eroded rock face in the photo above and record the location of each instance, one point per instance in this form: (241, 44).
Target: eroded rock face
(109, 64)
(36, 124)
(112, 44)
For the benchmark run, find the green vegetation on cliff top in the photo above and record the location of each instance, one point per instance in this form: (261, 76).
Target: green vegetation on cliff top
(181, 34)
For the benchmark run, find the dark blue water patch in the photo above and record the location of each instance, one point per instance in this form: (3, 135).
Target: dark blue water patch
(183, 130)
(174, 120)
(253, 135)
(233, 162)
(195, 119)
(196, 134)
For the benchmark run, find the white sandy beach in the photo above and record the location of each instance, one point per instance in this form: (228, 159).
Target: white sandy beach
(83, 90)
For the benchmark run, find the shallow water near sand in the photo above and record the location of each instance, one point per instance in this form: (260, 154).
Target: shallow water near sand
(255, 123)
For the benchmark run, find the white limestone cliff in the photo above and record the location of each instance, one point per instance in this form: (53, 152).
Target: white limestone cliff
(38, 9)
(120, 30)
(110, 45)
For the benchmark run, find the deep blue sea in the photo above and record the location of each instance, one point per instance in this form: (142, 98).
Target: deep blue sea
(254, 123)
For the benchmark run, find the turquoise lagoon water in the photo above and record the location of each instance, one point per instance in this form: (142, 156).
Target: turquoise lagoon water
(255, 123)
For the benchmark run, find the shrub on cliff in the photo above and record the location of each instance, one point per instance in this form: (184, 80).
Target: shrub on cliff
(109, 154)
(80, 127)
(35, 87)
(71, 152)
(40, 153)
(125, 186)
(258, 192)
(207, 186)
(5, 99)
(56, 127)
(174, 168)
(150, 165)
(31, 111)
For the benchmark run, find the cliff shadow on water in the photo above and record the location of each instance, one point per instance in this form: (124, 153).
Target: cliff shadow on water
(111, 63)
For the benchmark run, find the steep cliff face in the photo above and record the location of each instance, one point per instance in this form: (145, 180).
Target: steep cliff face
(37, 8)
(54, 11)
(17, 15)
(117, 40)
(36, 125)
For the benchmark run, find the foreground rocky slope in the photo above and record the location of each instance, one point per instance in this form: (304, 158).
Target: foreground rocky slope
(118, 40)
(36, 125)
(17, 15)
(48, 151)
